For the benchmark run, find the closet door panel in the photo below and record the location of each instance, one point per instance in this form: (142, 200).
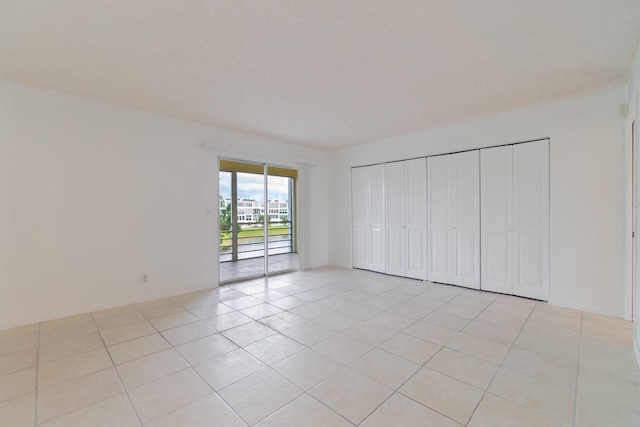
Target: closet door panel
(496, 239)
(439, 190)
(529, 268)
(360, 209)
(530, 185)
(416, 185)
(395, 217)
(496, 255)
(377, 194)
(395, 193)
(377, 249)
(416, 218)
(466, 258)
(416, 254)
(377, 218)
(466, 226)
(360, 246)
(439, 206)
(395, 252)
(531, 219)
(440, 268)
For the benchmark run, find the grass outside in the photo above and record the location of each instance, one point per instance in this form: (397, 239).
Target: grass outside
(250, 233)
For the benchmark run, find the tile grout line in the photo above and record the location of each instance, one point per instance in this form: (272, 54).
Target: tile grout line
(575, 396)
(423, 366)
(266, 366)
(189, 366)
(486, 390)
(70, 379)
(126, 392)
(114, 366)
(306, 392)
(192, 368)
(394, 391)
(397, 390)
(344, 366)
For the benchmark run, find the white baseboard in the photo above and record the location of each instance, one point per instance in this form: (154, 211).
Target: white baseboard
(587, 308)
(29, 320)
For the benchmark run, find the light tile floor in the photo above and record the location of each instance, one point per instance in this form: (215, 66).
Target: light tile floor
(326, 347)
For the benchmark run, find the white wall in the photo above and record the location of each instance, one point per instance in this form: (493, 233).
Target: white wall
(587, 167)
(93, 196)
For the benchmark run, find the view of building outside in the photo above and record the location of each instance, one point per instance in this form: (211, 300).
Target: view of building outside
(252, 214)
(252, 211)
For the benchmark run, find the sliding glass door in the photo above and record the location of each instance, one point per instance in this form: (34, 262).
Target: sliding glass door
(280, 224)
(257, 220)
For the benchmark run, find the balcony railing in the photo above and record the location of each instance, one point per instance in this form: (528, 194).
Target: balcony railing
(250, 240)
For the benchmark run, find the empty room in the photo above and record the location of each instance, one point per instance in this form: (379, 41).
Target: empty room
(319, 213)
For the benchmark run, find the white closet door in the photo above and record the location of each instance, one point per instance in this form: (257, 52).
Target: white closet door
(439, 217)
(376, 218)
(531, 219)
(360, 209)
(395, 217)
(416, 218)
(496, 240)
(466, 223)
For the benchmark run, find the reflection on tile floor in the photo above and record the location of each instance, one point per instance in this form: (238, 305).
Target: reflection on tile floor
(326, 347)
(231, 271)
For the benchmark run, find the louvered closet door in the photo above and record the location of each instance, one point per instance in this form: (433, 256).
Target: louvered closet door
(361, 234)
(416, 218)
(395, 218)
(439, 217)
(531, 219)
(466, 223)
(496, 213)
(377, 218)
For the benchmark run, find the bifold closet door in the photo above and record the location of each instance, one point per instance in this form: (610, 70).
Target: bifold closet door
(531, 219)
(378, 239)
(406, 217)
(368, 195)
(439, 206)
(360, 213)
(466, 245)
(515, 219)
(453, 185)
(496, 212)
(416, 218)
(395, 218)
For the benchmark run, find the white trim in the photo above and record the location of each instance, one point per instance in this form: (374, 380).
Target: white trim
(302, 214)
(216, 236)
(29, 320)
(629, 210)
(580, 307)
(265, 216)
(302, 204)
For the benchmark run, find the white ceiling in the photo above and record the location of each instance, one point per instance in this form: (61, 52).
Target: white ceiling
(324, 73)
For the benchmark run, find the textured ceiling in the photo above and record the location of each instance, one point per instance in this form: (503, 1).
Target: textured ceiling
(324, 73)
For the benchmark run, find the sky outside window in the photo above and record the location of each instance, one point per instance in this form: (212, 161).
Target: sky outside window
(251, 186)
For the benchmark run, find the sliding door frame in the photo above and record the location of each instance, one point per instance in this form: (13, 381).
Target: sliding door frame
(293, 211)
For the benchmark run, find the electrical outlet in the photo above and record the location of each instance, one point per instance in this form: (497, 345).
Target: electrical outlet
(145, 279)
